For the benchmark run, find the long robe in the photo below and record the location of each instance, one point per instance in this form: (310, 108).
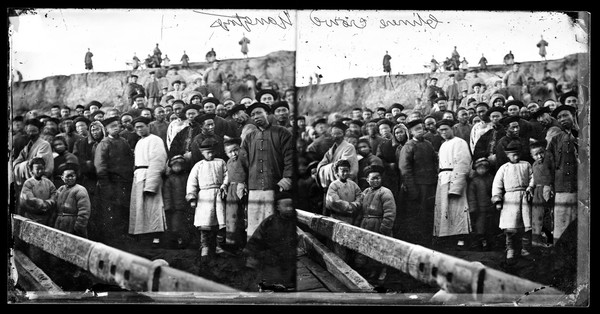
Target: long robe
(39, 148)
(325, 168)
(146, 212)
(451, 215)
(510, 182)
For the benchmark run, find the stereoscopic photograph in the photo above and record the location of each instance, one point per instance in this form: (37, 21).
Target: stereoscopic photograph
(298, 157)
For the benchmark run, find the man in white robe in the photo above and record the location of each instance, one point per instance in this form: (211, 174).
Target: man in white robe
(146, 211)
(340, 150)
(451, 214)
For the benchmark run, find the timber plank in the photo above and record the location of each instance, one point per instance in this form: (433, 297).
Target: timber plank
(31, 277)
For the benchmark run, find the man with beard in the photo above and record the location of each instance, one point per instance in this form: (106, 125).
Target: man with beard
(267, 156)
(513, 129)
(36, 147)
(340, 150)
(114, 168)
(418, 166)
(206, 123)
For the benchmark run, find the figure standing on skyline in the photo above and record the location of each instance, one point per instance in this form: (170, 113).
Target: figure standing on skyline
(211, 55)
(157, 56)
(88, 60)
(185, 61)
(509, 59)
(433, 64)
(136, 62)
(387, 66)
(244, 43)
(483, 63)
(542, 45)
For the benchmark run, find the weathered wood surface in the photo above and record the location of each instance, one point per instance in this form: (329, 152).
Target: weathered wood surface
(452, 274)
(351, 280)
(111, 265)
(31, 277)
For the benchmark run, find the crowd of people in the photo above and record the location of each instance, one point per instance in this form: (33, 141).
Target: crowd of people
(466, 171)
(192, 169)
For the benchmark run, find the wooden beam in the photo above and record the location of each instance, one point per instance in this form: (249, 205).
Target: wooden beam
(31, 277)
(326, 278)
(452, 274)
(334, 264)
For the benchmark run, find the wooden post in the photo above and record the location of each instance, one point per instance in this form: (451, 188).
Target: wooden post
(452, 274)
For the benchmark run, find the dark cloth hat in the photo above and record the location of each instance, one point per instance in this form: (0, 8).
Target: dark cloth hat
(80, 106)
(385, 121)
(397, 105)
(266, 91)
(508, 120)
(82, 119)
(485, 104)
(203, 117)
(413, 123)
(476, 84)
(483, 161)
(258, 105)
(208, 143)
(447, 122)
(357, 122)
(540, 112)
(345, 119)
(236, 108)
(401, 114)
(188, 107)
(514, 102)
(176, 158)
(281, 103)
(380, 108)
(35, 122)
(340, 125)
(374, 168)
(281, 195)
(55, 120)
(133, 75)
(232, 141)
(213, 100)
(560, 108)
(301, 118)
(564, 96)
(92, 103)
(169, 97)
(342, 163)
(144, 120)
(93, 115)
(441, 98)
(176, 101)
(138, 95)
(494, 109)
(513, 147)
(176, 81)
(320, 120)
(110, 120)
(68, 166)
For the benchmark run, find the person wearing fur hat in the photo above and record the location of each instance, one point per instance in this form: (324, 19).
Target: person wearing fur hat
(114, 165)
(146, 211)
(267, 154)
(339, 150)
(451, 216)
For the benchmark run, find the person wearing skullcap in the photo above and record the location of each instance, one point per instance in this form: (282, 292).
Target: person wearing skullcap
(114, 163)
(569, 98)
(450, 216)
(419, 167)
(281, 113)
(147, 218)
(441, 105)
(342, 201)
(486, 144)
(267, 96)
(73, 206)
(513, 134)
(35, 147)
(396, 108)
(93, 105)
(380, 112)
(377, 213)
(268, 152)
(562, 160)
(79, 109)
(511, 189)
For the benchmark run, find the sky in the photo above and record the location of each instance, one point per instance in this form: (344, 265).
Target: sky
(54, 41)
